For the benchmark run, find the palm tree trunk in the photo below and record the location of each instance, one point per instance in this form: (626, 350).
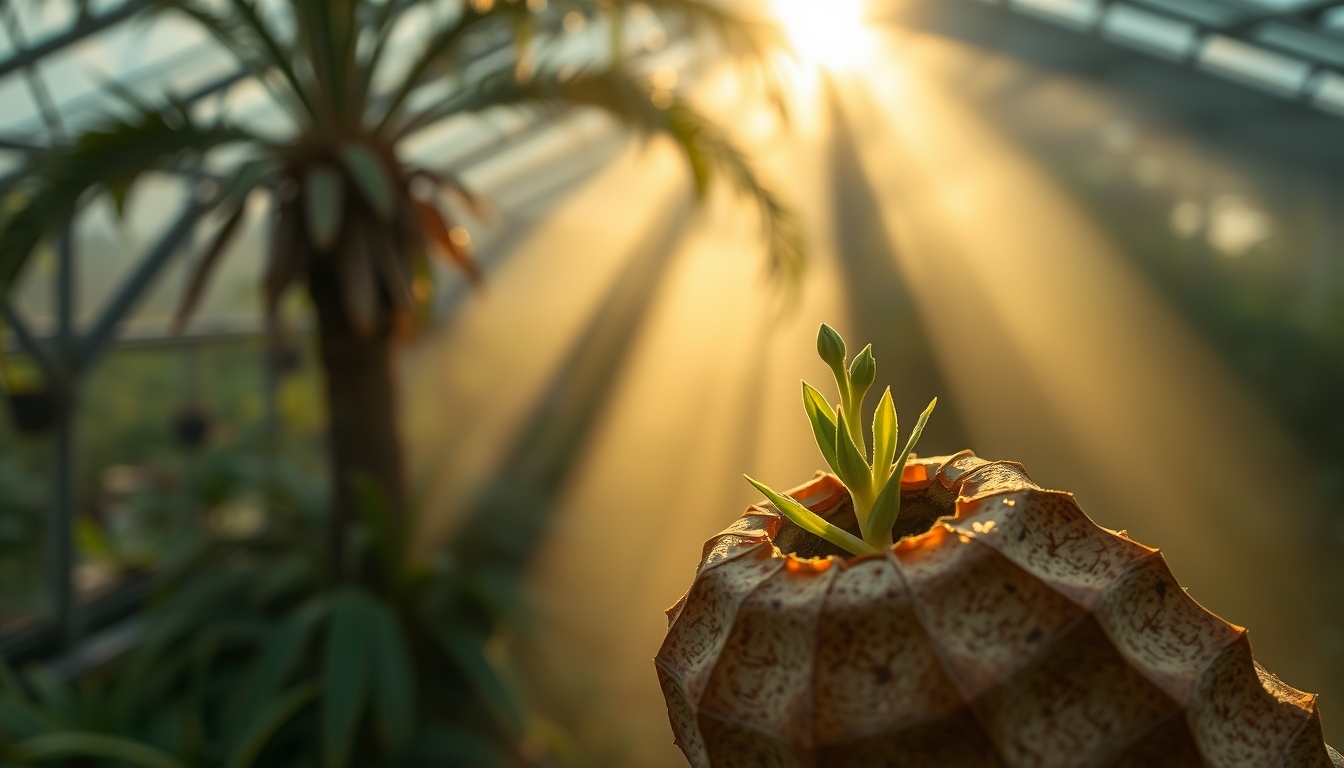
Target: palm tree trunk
(364, 440)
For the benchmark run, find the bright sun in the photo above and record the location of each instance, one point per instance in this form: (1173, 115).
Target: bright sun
(831, 33)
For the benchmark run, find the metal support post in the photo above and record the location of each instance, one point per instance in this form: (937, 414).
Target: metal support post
(60, 538)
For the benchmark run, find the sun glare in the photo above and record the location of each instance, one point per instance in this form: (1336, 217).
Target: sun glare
(830, 33)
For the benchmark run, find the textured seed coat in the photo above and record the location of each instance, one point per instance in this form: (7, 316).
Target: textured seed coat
(1015, 633)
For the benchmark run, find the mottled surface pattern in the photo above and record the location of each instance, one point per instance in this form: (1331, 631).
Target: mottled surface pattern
(1014, 632)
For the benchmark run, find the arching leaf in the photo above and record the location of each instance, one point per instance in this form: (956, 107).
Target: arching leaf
(393, 680)
(345, 675)
(822, 418)
(205, 266)
(71, 744)
(273, 714)
(811, 522)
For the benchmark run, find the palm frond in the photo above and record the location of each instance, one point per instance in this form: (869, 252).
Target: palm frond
(627, 98)
(750, 41)
(247, 36)
(443, 52)
(236, 191)
(205, 267)
(328, 32)
(741, 36)
(380, 25)
(709, 151)
(111, 156)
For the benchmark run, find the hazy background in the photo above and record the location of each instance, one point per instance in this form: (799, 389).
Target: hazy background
(1122, 272)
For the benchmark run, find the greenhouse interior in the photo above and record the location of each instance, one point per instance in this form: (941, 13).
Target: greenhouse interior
(377, 371)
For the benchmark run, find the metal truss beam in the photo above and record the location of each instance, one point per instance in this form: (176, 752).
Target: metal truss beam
(82, 28)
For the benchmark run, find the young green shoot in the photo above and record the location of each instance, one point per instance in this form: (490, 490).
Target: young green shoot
(874, 485)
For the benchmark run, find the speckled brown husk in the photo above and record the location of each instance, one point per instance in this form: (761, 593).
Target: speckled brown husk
(1014, 632)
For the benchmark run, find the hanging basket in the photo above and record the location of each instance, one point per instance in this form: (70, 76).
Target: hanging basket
(33, 412)
(191, 426)
(1004, 629)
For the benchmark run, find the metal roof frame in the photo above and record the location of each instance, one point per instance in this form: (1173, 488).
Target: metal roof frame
(1296, 53)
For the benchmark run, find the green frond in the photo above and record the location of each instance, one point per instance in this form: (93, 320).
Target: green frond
(741, 36)
(443, 52)
(328, 34)
(708, 148)
(110, 157)
(627, 99)
(246, 35)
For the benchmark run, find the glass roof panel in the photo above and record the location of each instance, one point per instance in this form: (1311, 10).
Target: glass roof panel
(1206, 12)
(1162, 35)
(1256, 66)
(40, 19)
(1283, 6)
(1313, 45)
(1291, 48)
(18, 106)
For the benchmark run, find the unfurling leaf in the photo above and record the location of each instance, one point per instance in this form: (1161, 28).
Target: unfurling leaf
(371, 177)
(813, 523)
(323, 195)
(854, 470)
(821, 415)
(885, 433)
(883, 515)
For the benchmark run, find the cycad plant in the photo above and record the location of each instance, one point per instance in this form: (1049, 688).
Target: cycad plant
(874, 486)
(348, 217)
(252, 654)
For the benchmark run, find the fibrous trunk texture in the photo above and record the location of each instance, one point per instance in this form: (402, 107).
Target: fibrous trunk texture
(361, 408)
(1015, 632)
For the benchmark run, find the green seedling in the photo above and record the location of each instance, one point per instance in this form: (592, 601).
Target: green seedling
(874, 485)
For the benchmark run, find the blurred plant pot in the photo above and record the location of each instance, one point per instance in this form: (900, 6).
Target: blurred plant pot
(191, 426)
(283, 359)
(1003, 628)
(33, 411)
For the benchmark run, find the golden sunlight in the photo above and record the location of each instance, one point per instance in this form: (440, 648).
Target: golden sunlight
(829, 33)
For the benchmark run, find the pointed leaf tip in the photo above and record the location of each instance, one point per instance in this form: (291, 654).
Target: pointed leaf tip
(885, 434)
